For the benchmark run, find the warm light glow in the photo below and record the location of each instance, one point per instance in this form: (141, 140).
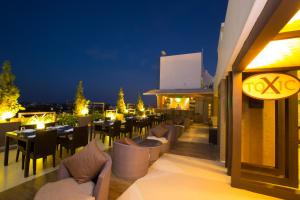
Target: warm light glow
(293, 24)
(84, 111)
(40, 125)
(178, 100)
(39, 120)
(6, 115)
(279, 53)
(209, 110)
(179, 103)
(112, 114)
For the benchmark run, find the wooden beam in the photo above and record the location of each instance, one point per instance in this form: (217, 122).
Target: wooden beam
(273, 18)
(287, 35)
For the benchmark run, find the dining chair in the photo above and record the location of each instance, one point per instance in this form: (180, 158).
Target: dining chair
(30, 126)
(128, 128)
(72, 141)
(98, 129)
(114, 131)
(151, 120)
(141, 124)
(44, 145)
(22, 144)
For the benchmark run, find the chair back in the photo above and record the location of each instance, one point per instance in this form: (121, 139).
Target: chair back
(151, 120)
(31, 126)
(129, 126)
(45, 143)
(80, 136)
(116, 129)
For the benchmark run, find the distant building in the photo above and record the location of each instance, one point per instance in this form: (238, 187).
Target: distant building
(184, 85)
(97, 106)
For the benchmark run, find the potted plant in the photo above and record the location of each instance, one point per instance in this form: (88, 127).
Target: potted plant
(81, 104)
(9, 105)
(67, 119)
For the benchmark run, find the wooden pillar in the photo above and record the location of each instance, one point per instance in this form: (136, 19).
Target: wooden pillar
(236, 127)
(159, 101)
(222, 118)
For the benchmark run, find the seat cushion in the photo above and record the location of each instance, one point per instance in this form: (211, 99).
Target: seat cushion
(86, 164)
(66, 189)
(127, 141)
(161, 139)
(159, 131)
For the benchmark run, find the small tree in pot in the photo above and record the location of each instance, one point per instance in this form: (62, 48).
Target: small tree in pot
(140, 108)
(81, 103)
(9, 93)
(121, 106)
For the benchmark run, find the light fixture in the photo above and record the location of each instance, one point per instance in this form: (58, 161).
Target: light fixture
(6, 115)
(278, 53)
(84, 111)
(293, 24)
(40, 125)
(111, 114)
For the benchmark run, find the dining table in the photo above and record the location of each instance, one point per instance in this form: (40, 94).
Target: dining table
(28, 136)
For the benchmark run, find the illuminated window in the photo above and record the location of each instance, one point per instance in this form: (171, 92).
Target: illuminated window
(179, 103)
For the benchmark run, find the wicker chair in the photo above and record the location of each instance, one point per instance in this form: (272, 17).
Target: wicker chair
(129, 161)
(75, 191)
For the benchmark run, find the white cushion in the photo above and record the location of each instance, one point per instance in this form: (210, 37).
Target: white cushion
(66, 189)
(161, 139)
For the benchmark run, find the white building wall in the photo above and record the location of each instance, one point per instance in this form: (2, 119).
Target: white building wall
(181, 71)
(240, 18)
(207, 78)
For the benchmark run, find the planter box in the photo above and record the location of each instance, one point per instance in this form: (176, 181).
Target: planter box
(5, 127)
(84, 121)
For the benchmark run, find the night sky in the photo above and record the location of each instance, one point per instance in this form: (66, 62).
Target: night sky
(107, 44)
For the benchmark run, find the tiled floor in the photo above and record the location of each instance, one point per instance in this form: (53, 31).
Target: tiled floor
(171, 177)
(194, 143)
(197, 133)
(13, 174)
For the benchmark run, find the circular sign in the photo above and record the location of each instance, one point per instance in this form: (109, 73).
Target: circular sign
(271, 86)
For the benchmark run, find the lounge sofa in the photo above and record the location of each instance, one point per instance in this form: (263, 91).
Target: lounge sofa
(168, 139)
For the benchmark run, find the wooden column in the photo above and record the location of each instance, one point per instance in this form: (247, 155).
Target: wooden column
(236, 127)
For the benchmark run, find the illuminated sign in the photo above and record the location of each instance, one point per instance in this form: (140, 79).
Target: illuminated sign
(271, 86)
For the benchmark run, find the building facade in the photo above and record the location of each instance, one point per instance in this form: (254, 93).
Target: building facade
(184, 86)
(256, 88)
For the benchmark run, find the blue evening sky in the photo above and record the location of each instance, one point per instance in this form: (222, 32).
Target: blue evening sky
(107, 44)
